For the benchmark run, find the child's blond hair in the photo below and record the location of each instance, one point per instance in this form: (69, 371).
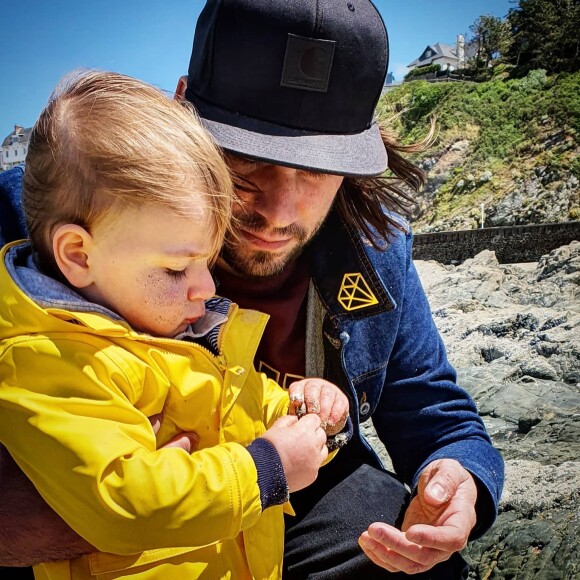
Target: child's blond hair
(106, 141)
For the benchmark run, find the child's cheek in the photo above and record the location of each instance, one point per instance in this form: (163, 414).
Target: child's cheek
(160, 292)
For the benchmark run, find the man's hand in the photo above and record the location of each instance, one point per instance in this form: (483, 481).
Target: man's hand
(322, 398)
(301, 446)
(31, 532)
(437, 523)
(188, 441)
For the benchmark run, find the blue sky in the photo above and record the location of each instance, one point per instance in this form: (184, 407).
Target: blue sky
(151, 40)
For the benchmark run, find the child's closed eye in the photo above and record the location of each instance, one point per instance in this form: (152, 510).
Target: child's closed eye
(175, 273)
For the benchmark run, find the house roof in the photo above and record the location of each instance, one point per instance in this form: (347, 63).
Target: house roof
(23, 137)
(439, 50)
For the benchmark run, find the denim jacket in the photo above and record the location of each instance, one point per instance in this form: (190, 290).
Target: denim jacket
(371, 332)
(380, 345)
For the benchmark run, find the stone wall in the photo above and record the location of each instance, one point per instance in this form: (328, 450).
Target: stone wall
(511, 244)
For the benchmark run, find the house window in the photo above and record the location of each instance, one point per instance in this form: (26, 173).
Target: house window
(429, 54)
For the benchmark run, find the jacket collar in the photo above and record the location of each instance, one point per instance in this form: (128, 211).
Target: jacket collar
(348, 285)
(51, 294)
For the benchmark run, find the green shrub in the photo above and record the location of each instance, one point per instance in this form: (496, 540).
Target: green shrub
(510, 114)
(422, 70)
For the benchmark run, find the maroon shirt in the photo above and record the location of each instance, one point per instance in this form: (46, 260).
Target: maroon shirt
(281, 354)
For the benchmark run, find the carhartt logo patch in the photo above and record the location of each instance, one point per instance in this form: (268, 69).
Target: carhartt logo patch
(307, 63)
(355, 293)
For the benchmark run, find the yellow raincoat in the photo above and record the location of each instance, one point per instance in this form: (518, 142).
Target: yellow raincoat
(76, 389)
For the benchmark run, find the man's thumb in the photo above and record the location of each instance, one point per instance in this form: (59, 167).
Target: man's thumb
(437, 492)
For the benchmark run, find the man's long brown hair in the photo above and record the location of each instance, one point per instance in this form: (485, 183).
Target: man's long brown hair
(368, 203)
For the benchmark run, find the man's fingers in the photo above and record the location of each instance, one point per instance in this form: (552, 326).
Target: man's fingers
(155, 421)
(451, 537)
(393, 547)
(423, 559)
(400, 548)
(372, 549)
(186, 441)
(393, 539)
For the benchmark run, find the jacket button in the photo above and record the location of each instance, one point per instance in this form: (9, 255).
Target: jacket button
(365, 408)
(344, 337)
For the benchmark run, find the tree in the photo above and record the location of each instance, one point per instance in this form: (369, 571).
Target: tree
(491, 36)
(545, 35)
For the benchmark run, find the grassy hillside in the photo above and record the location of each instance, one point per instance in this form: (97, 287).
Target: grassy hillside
(511, 145)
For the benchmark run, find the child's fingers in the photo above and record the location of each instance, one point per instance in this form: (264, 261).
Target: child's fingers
(187, 441)
(338, 414)
(319, 397)
(296, 394)
(336, 426)
(327, 401)
(339, 408)
(312, 388)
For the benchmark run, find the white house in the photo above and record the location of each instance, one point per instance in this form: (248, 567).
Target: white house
(439, 53)
(15, 147)
(448, 56)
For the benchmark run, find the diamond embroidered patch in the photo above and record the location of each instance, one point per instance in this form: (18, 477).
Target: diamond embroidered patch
(355, 293)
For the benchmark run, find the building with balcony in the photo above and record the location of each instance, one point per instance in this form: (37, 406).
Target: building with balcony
(15, 147)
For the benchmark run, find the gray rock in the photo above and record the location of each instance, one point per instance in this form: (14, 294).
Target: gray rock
(513, 334)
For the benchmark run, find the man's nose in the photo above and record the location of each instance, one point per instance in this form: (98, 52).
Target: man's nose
(278, 199)
(203, 287)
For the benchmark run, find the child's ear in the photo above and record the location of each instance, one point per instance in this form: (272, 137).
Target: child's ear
(71, 245)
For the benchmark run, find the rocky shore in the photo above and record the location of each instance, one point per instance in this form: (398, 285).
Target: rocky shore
(512, 332)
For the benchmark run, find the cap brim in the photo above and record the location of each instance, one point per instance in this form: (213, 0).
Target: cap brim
(359, 154)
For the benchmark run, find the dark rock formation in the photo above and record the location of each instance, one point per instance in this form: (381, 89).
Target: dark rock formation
(513, 333)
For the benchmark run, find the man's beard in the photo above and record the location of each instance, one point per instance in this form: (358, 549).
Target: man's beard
(259, 263)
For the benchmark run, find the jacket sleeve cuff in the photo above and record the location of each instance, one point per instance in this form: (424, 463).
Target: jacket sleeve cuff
(271, 476)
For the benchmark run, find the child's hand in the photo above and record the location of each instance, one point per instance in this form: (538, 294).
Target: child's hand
(301, 446)
(321, 398)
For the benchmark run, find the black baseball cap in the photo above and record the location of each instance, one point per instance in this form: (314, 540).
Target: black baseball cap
(292, 82)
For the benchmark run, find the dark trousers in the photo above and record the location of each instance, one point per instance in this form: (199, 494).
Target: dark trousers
(321, 542)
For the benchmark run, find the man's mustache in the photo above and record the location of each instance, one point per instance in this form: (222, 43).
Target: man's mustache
(257, 223)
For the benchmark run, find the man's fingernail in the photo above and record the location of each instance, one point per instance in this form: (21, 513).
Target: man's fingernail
(438, 491)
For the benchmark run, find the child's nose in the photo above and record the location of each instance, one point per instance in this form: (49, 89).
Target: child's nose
(203, 287)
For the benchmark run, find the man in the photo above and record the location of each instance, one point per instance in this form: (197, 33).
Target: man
(288, 89)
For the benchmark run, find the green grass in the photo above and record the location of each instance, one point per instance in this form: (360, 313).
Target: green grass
(510, 124)
(510, 114)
